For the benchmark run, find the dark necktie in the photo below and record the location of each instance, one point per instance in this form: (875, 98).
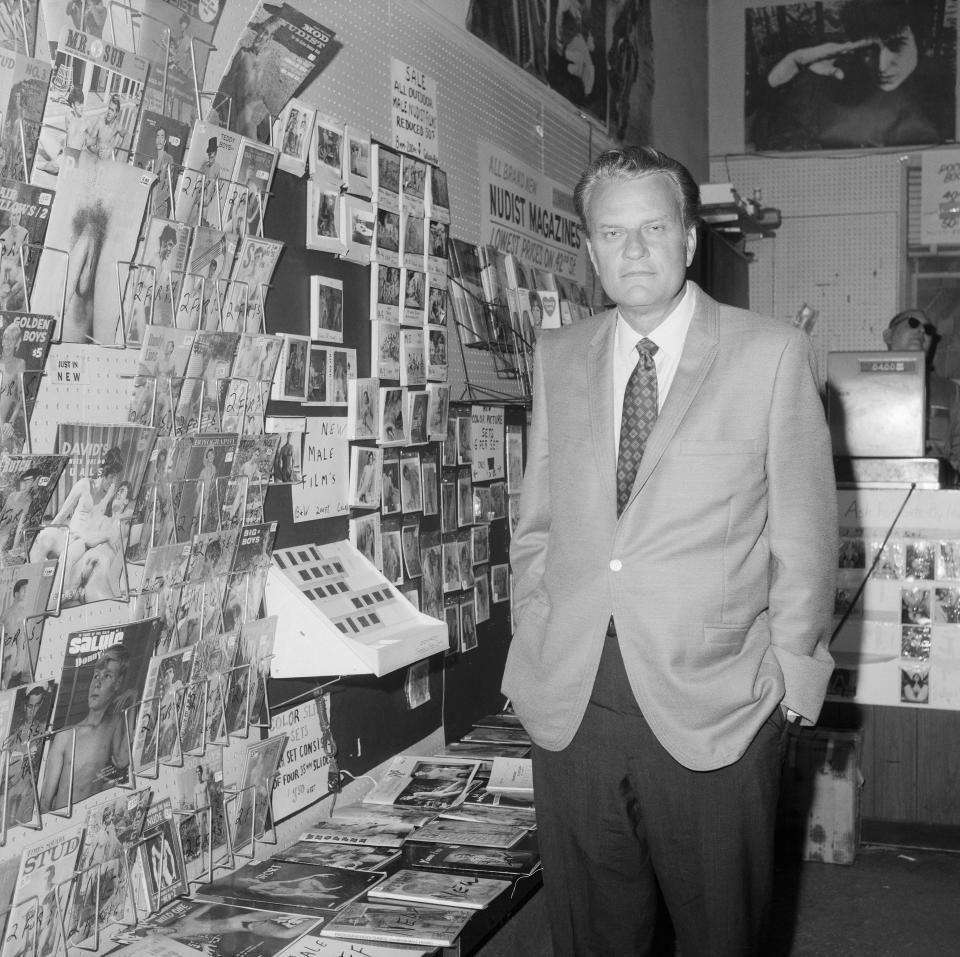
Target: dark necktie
(639, 416)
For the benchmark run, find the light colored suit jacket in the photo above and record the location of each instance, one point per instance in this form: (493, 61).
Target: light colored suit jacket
(720, 572)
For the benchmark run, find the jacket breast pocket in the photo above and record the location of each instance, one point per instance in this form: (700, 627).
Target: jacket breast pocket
(719, 447)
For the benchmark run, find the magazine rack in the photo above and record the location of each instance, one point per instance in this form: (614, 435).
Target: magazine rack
(25, 767)
(66, 811)
(510, 352)
(13, 910)
(256, 800)
(90, 941)
(205, 824)
(146, 754)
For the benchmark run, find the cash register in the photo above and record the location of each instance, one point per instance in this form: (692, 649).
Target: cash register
(876, 407)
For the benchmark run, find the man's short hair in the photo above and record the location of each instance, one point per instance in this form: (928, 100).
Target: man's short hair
(118, 653)
(213, 144)
(886, 18)
(115, 101)
(113, 462)
(636, 162)
(21, 583)
(168, 235)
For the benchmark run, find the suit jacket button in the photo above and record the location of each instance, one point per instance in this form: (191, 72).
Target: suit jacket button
(616, 565)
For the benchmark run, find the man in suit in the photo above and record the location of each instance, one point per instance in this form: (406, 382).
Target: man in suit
(668, 628)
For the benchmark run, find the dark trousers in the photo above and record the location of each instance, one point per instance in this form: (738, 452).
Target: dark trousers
(620, 822)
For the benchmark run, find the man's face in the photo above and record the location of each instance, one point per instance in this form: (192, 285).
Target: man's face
(33, 706)
(11, 339)
(639, 245)
(166, 247)
(907, 336)
(896, 59)
(161, 138)
(112, 111)
(105, 685)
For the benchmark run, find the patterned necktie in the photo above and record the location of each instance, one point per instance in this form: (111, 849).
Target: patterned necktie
(639, 415)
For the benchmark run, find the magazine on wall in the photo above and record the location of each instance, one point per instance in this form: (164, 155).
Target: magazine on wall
(205, 383)
(104, 670)
(95, 219)
(33, 704)
(92, 105)
(253, 177)
(293, 131)
(99, 895)
(157, 872)
(27, 483)
(24, 217)
(280, 51)
(18, 26)
(44, 866)
(159, 147)
(252, 273)
(155, 389)
(207, 169)
(24, 81)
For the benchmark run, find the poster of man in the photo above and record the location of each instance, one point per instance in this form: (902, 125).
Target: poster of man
(598, 54)
(848, 74)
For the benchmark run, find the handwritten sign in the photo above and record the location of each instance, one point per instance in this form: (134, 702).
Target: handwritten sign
(325, 487)
(413, 112)
(940, 197)
(487, 432)
(302, 775)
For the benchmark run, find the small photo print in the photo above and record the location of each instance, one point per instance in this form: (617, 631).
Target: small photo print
(468, 626)
(392, 429)
(326, 309)
(914, 681)
(947, 608)
(437, 305)
(499, 583)
(451, 566)
(341, 368)
(450, 440)
(481, 595)
(291, 377)
(448, 504)
(411, 492)
(915, 642)
(844, 603)
(948, 560)
(480, 535)
(392, 562)
(317, 376)
(365, 537)
(288, 463)
(515, 473)
(451, 614)
(410, 538)
(464, 440)
(889, 560)
(915, 606)
(428, 475)
(366, 476)
(853, 551)
(464, 499)
(921, 560)
(390, 496)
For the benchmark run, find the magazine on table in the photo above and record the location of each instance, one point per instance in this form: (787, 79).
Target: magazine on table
(353, 857)
(317, 891)
(426, 887)
(520, 860)
(429, 924)
(428, 783)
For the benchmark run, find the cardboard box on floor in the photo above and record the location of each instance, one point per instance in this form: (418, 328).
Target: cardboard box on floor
(819, 814)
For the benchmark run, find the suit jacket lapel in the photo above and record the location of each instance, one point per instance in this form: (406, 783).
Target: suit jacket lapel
(600, 401)
(699, 351)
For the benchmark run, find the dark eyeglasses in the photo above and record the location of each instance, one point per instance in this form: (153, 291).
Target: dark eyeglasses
(914, 323)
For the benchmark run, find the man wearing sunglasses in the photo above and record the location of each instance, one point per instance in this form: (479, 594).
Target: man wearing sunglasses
(912, 331)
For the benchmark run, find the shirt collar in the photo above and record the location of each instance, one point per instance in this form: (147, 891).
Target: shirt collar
(669, 336)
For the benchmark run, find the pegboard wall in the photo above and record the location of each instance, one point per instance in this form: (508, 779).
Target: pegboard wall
(480, 96)
(839, 247)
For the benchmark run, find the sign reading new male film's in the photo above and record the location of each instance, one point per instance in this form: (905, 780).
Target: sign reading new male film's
(529, 215)
(413, 112)
(324, 490)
